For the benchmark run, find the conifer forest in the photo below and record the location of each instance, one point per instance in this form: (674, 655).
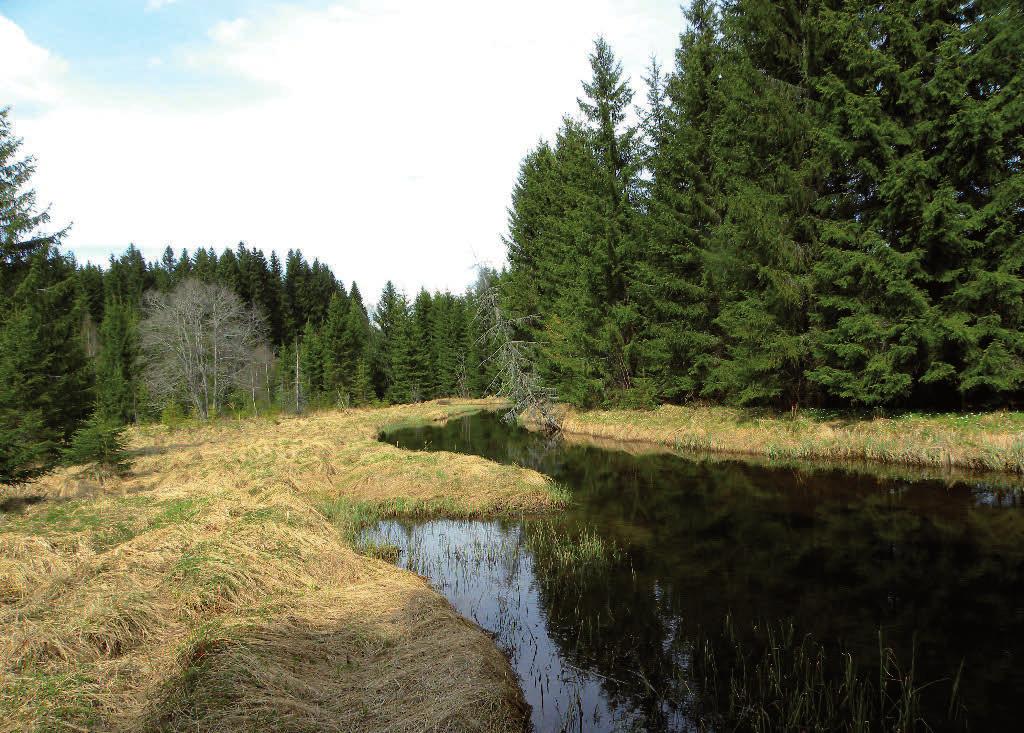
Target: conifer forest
(586, 366)
(818, 204)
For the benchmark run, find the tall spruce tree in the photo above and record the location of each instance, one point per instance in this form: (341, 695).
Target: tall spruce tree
(390, 310)
(45, 380)
(871, 305)
(421, 349)
(762, 253)
(684, 206)
(972, 221)
(354, 353)
(336, 363)
(402, 356)
(605, 108)
(117, 364)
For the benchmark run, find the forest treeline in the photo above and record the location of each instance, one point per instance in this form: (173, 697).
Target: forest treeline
(820, 204)
(348, 353)
(200, 333)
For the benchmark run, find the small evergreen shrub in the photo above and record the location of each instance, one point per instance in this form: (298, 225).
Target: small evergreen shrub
(99, 445)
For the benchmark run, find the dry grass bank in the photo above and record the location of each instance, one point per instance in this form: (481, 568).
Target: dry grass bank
(209, 591)
(989, 441)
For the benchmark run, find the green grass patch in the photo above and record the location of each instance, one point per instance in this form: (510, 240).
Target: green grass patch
(59, 701)
(386, 551)
(177, 511)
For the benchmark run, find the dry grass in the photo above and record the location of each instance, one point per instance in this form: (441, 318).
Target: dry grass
(990, 441)
(208, 591)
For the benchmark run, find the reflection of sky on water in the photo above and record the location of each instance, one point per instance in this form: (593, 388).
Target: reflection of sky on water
(485, 571)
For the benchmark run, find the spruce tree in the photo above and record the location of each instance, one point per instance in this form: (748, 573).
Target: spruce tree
(117, 365)
(605, 109)
(128, 277)
(274, 301)
(336, 363)
(44, 366)
(21, 222)
(99, 443)
(972, 224)
(90, 283)
(390, 309)
(311, 364)
(762, 253)
(402, 356)
(293, 288)
(448, 322)
(871, 298)
(356, 336)
(27, 443)
(532, 248)
(672, 286)
(421, 350)
(45, 380)
(573, 330)
(183, 268)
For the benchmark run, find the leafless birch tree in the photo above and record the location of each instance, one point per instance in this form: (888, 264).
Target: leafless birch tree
(199, 340)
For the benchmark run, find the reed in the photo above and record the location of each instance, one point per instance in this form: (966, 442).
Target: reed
(779, 681)
(558, 551)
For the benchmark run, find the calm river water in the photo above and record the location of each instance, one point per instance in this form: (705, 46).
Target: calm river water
(694, 544)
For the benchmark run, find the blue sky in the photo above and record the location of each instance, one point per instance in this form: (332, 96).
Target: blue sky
(382, 136)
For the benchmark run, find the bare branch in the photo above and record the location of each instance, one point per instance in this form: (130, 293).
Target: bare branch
(200, 341)
(516, 378)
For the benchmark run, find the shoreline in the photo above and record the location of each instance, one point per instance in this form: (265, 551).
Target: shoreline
(990, 443)
(218, 587)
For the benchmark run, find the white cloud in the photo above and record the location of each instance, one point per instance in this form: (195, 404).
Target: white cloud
(28, 73)
(229, 31)
(386, 139)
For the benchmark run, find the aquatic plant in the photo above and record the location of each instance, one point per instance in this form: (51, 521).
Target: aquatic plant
(557, 549)
(779, 681)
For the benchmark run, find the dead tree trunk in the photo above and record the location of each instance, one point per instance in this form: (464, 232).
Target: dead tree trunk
(516, 379)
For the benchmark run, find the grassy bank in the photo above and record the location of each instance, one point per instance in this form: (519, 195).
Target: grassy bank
(217, 588)
(987, 441)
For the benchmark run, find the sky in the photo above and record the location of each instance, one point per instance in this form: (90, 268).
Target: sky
(381, 136)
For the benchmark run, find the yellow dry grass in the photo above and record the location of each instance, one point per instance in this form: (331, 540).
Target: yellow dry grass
(206, 591)
(988, 441)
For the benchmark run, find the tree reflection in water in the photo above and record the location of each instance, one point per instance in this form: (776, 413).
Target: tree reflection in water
(606, 641)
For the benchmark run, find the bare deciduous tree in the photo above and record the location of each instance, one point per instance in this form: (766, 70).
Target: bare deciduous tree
(199, 340)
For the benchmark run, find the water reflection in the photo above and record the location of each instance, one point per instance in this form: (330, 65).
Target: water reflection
(842, 555)
(486, 572)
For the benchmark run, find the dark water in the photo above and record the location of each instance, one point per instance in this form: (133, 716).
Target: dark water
(938, 567)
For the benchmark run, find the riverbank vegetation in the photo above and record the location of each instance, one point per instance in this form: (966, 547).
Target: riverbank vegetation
(208, 590)
(970, 441)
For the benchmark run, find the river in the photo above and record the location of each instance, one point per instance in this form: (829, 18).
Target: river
(679, 553)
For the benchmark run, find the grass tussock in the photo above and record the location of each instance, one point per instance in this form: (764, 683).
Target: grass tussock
(217, 586)
(987, 441)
